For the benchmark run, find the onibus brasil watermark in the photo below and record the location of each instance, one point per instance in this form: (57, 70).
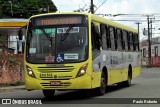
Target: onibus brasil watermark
(21, 101)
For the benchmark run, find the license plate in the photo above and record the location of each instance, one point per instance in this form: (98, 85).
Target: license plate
(55, 83)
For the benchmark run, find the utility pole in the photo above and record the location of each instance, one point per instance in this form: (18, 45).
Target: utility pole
(149, 39)
(138, 23)
(151, 21)
(149, 42)
(92, 7)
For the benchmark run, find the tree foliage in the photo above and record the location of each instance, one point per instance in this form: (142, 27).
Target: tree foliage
(86, 8)
(25, 8)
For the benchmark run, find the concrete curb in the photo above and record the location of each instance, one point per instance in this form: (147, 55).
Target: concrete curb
(12, 87)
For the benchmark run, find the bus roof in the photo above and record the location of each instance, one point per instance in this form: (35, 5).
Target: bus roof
(113, 23)
(95, 18)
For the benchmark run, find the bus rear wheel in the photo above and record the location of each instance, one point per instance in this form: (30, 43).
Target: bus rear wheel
(102, 89)
(48, 93)
(128, 82)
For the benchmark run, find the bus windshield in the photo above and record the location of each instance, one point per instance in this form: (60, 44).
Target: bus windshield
(57, 44)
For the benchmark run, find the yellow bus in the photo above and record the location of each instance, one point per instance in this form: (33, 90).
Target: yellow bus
(72, 51)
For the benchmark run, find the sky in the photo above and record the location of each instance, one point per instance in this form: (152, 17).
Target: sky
(139, 8)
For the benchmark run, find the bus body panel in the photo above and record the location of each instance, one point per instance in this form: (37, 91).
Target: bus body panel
(77, 83)
(117, 64)
(68, 80)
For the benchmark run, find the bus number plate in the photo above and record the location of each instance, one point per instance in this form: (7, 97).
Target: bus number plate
(55, 83)
(46, 75)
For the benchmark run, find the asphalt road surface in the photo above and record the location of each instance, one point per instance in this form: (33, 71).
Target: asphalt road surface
(147, 85)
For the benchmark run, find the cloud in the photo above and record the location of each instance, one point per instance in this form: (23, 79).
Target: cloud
(132, 6)
(116, 7)
(69, 5)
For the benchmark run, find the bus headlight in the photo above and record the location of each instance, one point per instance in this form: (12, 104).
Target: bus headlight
(30, 72)
(82, 70)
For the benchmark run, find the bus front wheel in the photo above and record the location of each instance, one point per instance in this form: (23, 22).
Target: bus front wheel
(102, 89)
(48, 93)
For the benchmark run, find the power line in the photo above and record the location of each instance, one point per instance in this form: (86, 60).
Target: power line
(131, 20)
(100, 6)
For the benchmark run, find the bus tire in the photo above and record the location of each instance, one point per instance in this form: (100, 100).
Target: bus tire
(102, 89)
(128, 82)
(48, 93)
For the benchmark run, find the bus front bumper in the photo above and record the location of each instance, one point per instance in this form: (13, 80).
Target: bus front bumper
(83, 82)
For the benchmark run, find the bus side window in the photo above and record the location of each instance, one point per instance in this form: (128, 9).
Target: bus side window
(136, 42)
(112, 37)
(108, 38)
(119, 39)
(115, 39)
(134, 45)
(103, 35)
(125, 40)
(128, 39)
(131, 41)
(95, 38)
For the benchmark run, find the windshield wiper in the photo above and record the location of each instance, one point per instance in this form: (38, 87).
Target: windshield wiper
(65, 35)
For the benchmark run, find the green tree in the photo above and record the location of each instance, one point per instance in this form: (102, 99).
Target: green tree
(25, 8)
(86, 8)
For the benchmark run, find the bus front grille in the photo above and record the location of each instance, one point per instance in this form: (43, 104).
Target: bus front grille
(57, 73)
(58, 78)
(63, 85)
(55, 70)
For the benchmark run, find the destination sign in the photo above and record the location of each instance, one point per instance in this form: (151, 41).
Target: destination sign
(58, 20)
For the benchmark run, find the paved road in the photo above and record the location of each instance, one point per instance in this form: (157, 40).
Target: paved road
(147, 85)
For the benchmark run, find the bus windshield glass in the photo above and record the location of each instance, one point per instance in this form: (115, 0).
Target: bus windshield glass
(58, 42)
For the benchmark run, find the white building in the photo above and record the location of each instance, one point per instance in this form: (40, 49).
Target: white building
(9, 33)
(155, 52)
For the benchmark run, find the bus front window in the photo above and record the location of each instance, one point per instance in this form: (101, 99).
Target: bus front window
(57, 44)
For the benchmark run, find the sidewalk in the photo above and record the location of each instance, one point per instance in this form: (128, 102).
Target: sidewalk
(12, 87)
(151, 68)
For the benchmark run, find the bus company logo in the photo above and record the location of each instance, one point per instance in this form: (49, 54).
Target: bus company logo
(55, 76)
(6, 101)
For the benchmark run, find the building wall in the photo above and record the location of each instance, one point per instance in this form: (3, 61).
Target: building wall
(155, 55)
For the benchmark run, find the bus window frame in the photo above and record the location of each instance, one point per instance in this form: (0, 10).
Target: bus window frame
(135, 42)
(131, 40)
(119, 39)
(108, 38)
(112, 37)
(95, 35)
(103, 32)
(125, 40)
